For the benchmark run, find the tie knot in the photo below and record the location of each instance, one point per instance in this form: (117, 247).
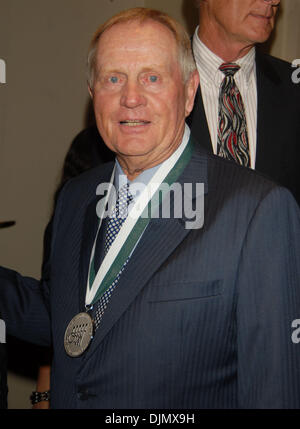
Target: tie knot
(123, 200)
(118, 215)
(124, 193)
(229, 69)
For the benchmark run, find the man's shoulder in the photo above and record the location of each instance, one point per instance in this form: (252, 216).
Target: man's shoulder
(240, 189)
(279, 64)
(99, 174)
(227, 176)
(276, 69)
(81, 189)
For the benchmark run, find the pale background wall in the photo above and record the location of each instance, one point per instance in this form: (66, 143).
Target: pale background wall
(43, 106)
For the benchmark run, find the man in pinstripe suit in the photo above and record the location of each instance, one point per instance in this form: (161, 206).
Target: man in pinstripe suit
(200, 317)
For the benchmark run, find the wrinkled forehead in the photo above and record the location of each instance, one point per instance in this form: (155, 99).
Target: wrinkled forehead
(135, 38)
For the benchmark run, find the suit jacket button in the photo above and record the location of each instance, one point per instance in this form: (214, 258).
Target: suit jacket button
(84, 394)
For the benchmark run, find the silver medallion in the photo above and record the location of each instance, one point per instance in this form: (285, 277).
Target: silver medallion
(79, 334)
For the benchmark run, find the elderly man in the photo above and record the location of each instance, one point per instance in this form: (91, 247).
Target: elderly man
(263, 123)
(148, 310)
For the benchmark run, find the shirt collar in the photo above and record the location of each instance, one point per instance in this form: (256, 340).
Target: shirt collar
(144, 178)
(208, 63)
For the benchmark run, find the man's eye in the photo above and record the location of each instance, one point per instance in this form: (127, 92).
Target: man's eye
(153, 78)
(113, 79)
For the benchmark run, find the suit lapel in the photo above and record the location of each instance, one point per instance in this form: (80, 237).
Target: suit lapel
(89, 230)
(198, 123)
(268, 107)
(88, 237)
(163, 235)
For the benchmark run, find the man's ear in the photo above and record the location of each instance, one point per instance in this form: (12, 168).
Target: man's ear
(190, 92)
(90, 91)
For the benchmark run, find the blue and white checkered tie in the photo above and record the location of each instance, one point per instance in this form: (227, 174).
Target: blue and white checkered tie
(117, 218)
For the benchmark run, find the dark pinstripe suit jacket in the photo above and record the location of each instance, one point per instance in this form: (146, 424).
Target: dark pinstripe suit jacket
(199, 319)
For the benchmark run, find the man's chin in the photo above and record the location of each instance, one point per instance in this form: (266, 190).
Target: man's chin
(261, 33)
(263, 38)
(133, 147)
(132, 153)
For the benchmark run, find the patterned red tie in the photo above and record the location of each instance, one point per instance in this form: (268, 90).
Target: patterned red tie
(232, 126)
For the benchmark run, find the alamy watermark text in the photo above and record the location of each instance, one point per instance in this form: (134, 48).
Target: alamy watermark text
(296, 73)
(169, 201)
(2, 71)
(296, 332)
(2, 332)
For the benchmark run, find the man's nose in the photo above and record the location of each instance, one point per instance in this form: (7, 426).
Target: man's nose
(132, 95)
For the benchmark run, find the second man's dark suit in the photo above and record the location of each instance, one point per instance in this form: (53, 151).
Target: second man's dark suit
(278, 122)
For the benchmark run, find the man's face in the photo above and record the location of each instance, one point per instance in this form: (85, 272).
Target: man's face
(139, 97)
(244, 21)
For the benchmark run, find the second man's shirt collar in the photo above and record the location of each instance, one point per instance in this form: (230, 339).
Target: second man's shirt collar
(208, 63)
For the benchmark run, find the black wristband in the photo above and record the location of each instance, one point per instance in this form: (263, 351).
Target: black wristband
(37, 397)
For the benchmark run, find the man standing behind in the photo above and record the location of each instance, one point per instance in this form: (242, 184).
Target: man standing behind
(247, 109)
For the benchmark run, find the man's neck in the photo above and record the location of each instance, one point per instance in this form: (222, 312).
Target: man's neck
(226, 49)
(133, 166)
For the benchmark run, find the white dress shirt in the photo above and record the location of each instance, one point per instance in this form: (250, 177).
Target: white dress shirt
(210, 81)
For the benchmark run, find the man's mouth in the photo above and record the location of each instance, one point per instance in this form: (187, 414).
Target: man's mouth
(261, 16)
(134, 122)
